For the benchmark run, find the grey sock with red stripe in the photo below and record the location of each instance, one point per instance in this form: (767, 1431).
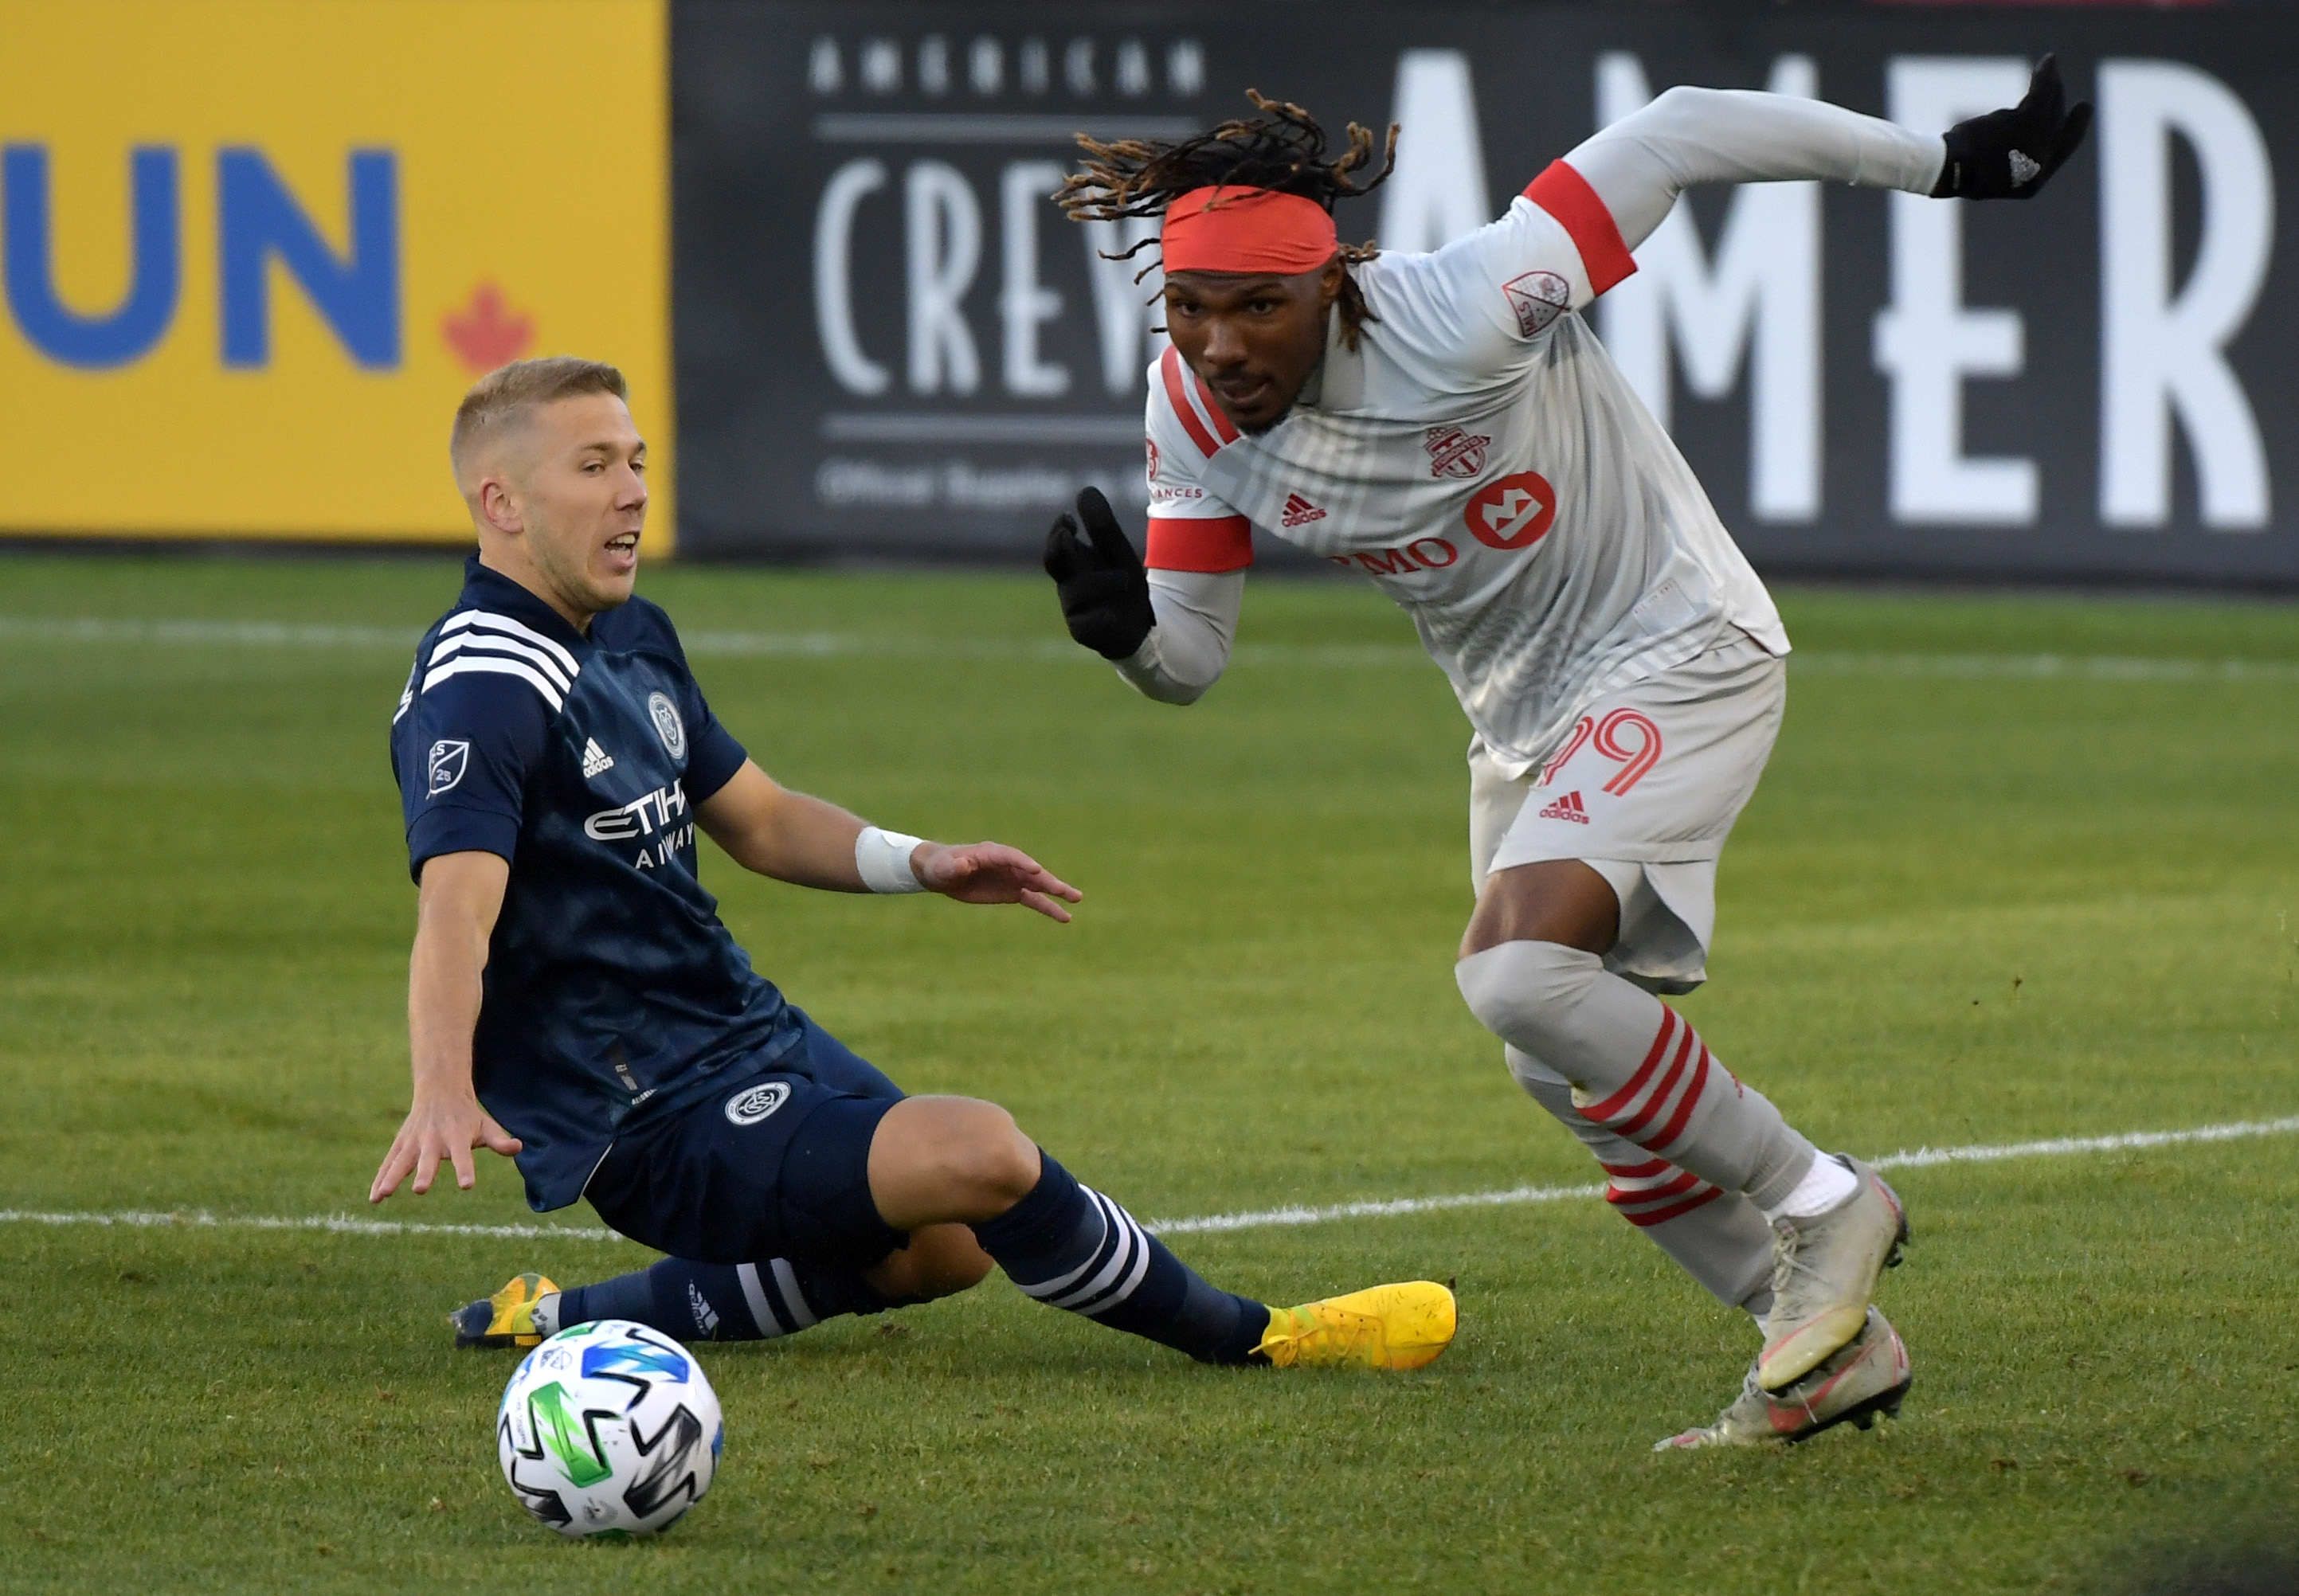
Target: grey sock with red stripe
(1718, 1237)
(1638, 1070)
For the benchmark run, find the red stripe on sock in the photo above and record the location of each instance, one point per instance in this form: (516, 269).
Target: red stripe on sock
(1663, 1092)
(1628, 1094)
(1684, 1182)
(1645, 1221)
(1632, 1171)
(1667, 1134)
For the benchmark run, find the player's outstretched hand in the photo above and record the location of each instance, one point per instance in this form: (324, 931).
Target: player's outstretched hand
(2009, 154)
(990, 872)
(1105, 592)
(436, 1129)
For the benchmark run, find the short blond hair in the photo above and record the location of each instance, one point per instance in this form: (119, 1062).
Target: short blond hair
(506, 395)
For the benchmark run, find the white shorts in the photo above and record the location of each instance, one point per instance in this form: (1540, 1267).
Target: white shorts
(1644, 791)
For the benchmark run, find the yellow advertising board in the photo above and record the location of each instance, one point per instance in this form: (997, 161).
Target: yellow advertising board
(255, 250)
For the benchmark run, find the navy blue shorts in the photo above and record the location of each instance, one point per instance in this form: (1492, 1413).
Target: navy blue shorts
(774, 1164)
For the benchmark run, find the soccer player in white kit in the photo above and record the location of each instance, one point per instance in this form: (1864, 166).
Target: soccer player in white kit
(1448, 424)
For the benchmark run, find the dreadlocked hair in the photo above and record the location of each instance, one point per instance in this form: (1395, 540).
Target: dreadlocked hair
(1283, 149)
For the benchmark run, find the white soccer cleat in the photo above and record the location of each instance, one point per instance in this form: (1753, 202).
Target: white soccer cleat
(1825, 1270)
(1868, 1377)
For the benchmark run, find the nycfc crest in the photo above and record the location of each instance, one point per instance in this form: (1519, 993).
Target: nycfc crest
(754, 1104)
(1453, 452)
(667, 724)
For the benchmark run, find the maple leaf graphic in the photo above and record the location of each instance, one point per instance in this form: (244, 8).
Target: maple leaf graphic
(486, 333)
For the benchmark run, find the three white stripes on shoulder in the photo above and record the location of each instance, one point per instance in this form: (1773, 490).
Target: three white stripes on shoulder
(478, 641)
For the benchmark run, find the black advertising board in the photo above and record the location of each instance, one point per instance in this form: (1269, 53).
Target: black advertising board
(891, 343)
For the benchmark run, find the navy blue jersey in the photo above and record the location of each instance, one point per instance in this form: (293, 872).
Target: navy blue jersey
(613, 994)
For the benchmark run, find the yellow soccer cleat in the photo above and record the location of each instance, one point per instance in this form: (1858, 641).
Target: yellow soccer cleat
(506, 1319)
(1404, 1326)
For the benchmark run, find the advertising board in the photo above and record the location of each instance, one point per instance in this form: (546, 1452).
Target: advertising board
(256, 249)
(891, 342)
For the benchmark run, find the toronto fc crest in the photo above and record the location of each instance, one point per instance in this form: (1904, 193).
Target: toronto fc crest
(1453, 452)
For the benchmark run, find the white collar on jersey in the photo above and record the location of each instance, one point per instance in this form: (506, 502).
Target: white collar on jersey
(1337, 383)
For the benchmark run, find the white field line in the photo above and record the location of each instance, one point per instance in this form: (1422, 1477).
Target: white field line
(1259, 1218)
(828, 645)
(2091, 667)
(339, 1224)
(1921, 1158)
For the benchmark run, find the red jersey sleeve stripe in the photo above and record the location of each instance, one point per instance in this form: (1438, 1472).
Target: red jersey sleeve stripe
(1226, 544)
(1566, 194)
(1222, 425)
(1170, 368)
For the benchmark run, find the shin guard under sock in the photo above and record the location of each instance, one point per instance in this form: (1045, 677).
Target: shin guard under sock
(1070, 1247)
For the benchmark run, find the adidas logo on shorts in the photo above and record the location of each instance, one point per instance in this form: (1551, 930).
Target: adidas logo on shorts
(1568, 807)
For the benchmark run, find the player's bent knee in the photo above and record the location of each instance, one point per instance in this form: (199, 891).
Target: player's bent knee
(940, 1159)
(1000, 1161)
(1523, 992)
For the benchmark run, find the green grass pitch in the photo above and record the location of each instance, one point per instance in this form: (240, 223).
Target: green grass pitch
(1968, 905)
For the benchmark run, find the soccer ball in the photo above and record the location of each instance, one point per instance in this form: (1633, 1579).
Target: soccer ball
(609, 1429)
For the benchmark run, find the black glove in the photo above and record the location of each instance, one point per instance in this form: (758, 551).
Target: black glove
(2009, 154)
(1105, 591)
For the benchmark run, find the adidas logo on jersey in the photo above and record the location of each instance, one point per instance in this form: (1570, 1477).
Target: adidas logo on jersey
(1568, 807)
(597, 761)
(1299, 511)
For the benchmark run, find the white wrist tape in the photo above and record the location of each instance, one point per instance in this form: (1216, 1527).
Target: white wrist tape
(883, 858)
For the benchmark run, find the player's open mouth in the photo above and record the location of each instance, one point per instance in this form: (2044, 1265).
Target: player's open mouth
(624, 548)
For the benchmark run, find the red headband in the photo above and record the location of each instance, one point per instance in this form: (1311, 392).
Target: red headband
(1246, 229)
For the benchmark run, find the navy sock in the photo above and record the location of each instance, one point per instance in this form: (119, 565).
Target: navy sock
(709, 1301)
(1071, 1247)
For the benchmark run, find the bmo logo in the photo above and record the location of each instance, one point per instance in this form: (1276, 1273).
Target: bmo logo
(1513, 513)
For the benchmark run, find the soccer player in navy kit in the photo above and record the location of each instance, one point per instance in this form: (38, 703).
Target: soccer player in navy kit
(574, 1002)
